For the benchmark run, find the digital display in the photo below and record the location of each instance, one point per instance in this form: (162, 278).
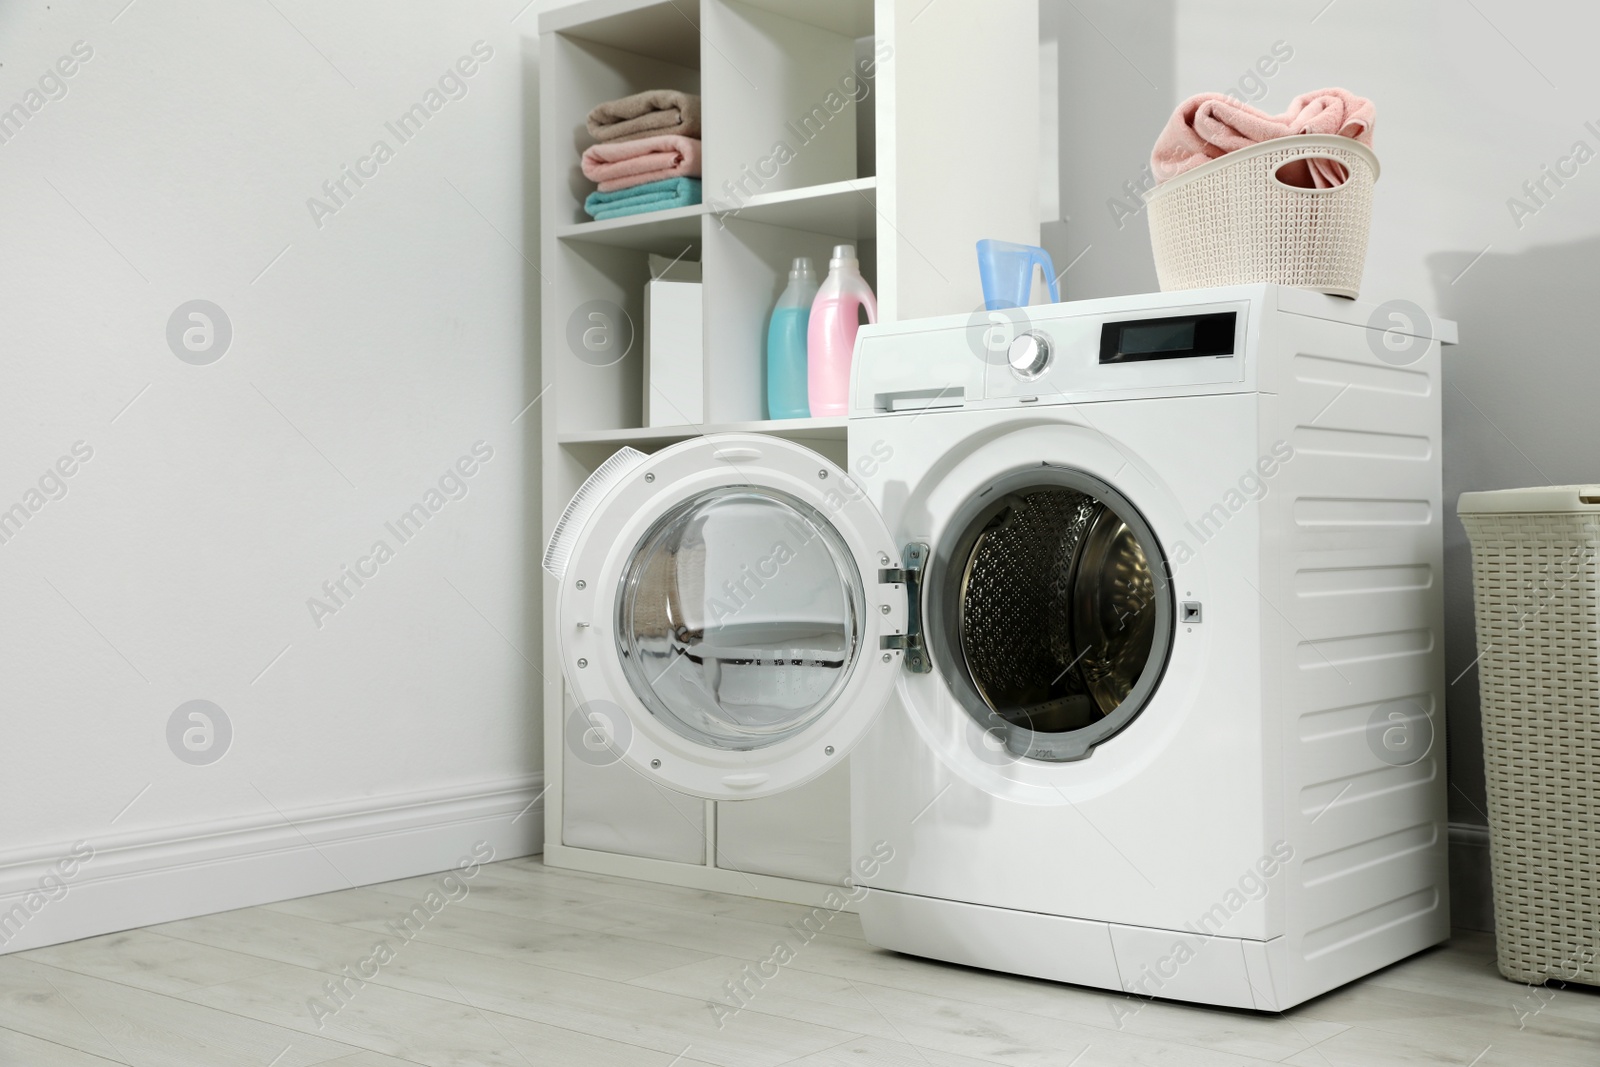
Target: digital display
(1174, 335)
(1168, 337)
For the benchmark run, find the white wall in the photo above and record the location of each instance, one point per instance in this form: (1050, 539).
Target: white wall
(368, 354)
(379, 347)
(1472, 100)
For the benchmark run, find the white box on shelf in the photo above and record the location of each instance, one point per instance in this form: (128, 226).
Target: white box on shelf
(674, 345)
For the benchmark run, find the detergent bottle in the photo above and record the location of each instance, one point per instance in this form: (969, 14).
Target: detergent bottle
(786, 344)
(831, 333)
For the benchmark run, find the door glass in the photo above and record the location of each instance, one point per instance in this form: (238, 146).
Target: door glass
(739, 617)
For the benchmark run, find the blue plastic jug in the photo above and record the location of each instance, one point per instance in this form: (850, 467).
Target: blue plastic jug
(1007, 273)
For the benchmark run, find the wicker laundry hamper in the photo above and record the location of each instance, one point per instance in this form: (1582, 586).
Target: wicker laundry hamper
(1231, 221)
(1536, 581)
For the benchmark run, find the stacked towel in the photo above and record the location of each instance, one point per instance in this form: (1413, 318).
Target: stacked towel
(646, 114)
(1210, 125)
(649, 147)
(624, 164)
(637, 199)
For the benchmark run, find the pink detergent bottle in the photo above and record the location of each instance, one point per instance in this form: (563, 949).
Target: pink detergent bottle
(831, 332)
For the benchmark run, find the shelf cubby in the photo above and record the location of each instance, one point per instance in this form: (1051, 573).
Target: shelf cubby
(746, 268)
(654, 46)
(589, 279)
(780, 95)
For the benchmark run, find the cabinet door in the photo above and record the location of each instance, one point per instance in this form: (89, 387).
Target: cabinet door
(608, 808)
(803, 833)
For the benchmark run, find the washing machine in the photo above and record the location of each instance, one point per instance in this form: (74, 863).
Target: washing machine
(1126, 612)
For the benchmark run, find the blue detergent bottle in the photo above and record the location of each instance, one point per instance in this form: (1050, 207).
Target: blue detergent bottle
(786, 344)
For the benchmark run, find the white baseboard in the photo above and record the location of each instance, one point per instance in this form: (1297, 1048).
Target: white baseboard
(150, 877)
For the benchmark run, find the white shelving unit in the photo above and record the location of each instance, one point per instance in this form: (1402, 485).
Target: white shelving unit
(934, 149)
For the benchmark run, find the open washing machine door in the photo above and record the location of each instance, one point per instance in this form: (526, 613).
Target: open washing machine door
(733, 614)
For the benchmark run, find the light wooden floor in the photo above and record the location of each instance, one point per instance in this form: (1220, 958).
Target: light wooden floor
(539, 966)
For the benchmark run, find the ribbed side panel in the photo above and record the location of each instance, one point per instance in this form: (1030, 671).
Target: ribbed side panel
(1355, 603)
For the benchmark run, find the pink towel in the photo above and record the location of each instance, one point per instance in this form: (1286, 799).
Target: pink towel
(1211, 125)
(624, 164)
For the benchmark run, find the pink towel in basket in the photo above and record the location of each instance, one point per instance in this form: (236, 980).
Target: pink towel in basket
(1210, 125)
(624, 164)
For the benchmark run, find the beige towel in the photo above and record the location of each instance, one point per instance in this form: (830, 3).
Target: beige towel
(646, 114)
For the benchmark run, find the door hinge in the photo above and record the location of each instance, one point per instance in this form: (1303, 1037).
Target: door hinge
(914, 558)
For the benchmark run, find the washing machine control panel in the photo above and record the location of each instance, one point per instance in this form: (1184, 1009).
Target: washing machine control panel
(1056, 356)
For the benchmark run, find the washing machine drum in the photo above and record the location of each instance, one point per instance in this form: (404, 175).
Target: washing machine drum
(1054, 612)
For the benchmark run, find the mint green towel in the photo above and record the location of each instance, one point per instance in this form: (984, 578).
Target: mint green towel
(651, 196)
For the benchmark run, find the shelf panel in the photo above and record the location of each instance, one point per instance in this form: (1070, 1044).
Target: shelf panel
(852, 18)
(843, 209)
(662, 232)
(827, 429)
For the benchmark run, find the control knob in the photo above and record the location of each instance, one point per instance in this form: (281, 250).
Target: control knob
(1029, 355)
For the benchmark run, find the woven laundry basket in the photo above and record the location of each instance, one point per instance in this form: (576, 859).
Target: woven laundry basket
(1537, 586)
(1231, 221)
